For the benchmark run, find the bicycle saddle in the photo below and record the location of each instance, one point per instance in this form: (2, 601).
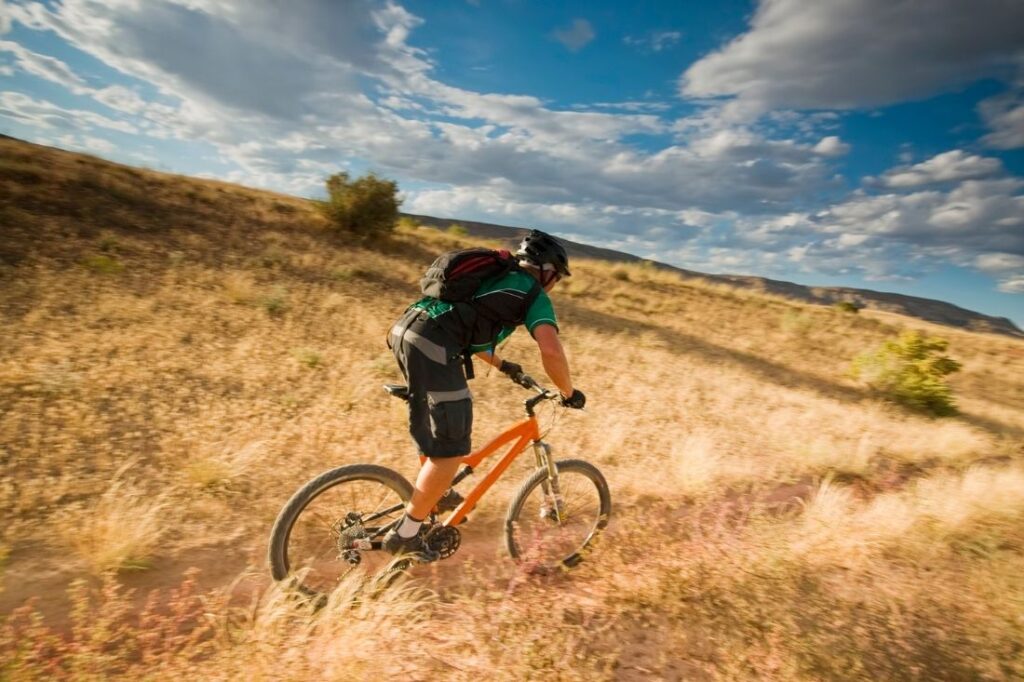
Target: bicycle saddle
(397, 390)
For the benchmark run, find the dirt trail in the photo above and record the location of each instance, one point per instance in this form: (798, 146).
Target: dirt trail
(42, 575)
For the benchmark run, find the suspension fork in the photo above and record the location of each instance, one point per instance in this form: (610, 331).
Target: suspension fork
(553, 503)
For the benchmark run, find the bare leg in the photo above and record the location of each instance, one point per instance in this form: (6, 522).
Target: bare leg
(435, 476)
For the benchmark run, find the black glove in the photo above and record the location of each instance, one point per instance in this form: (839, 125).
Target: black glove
(516, 374)
(576, 401)
(511, 369)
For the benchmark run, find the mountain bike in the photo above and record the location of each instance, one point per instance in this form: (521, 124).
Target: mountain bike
(338, 520)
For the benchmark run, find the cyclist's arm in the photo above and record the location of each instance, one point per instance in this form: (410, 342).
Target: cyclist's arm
(490, 357)
(552, 356)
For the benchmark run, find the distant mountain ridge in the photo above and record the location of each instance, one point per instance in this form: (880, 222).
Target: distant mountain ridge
(939, 312)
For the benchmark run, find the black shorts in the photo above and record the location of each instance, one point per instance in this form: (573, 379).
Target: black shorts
(440, 404)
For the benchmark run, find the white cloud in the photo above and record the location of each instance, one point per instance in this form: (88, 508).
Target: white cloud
(632, 107)
(798, 253)
(1004, 115)
(576, 36)
(5, 18)
(831, 146)
(859, 53)
(886, 237)
(45, 114)
(121, 99)
(655, 41)
(978, 223)
(1012, 285)
(949, 166)
(980, 212)
(99, 144)
(45, 67)
(1003, 263)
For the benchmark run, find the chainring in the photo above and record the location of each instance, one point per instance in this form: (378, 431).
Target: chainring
(444, 540)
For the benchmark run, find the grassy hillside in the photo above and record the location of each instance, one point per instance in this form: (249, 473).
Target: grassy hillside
(177, 356)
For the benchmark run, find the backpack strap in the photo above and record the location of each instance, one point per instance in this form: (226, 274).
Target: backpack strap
(531, 296)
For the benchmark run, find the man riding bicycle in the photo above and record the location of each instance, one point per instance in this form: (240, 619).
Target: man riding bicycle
(432, 342)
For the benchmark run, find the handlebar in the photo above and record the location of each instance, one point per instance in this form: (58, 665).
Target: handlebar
(542, 394)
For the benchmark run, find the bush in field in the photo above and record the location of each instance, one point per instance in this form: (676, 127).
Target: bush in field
(911, 370)
(407, 224)
(367, 206)
(848, 307)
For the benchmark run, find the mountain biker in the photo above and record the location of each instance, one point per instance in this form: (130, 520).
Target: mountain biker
(432, 343)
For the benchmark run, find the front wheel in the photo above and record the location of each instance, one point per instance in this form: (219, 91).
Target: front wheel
(551, 528)
(335, 523)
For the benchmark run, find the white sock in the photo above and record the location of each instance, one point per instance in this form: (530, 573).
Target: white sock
(409, 526)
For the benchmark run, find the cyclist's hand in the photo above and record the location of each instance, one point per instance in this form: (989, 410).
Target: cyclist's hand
(576, 401)
(516, 374)
(511, 369)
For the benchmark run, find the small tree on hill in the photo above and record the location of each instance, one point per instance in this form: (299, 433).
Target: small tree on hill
(911, 370)
(849, 307)
(366, 206)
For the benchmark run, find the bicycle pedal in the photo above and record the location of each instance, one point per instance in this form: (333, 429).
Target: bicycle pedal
(449, 501)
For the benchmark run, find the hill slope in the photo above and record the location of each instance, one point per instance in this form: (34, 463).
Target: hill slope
(928, 309)
(178, 356)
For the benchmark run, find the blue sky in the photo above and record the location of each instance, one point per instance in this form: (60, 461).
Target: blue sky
(868, 143)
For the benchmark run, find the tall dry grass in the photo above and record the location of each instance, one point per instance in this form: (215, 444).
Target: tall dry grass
(773, 519)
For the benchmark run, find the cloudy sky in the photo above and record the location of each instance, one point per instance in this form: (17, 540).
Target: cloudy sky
(868, 143)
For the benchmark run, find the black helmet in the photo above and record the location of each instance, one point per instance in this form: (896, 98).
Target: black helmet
(540, 248)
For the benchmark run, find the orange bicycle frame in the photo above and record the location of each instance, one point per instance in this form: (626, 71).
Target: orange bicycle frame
(519, 435)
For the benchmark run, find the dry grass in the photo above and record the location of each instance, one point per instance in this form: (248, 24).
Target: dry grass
(773, 519)
(119, 530)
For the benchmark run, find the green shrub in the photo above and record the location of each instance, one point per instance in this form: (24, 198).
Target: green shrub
(407, 224)
(308, 357)
(848, 307)
(457, 230)
(911, 370)
(366, 207)
(109, 244)
(346, 274)
(276, 304)
(107, 265)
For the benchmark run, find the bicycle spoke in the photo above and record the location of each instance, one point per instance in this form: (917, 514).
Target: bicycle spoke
(317, 540)
(325, 521)
(543, 538)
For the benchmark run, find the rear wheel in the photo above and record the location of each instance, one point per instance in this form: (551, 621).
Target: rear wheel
(335, 523)
(552, 529)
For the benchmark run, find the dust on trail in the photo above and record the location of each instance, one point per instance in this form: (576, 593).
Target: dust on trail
(41, 575)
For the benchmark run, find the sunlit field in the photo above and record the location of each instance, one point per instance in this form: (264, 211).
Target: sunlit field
(178, 356)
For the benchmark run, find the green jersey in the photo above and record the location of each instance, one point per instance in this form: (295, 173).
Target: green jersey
(499, 304)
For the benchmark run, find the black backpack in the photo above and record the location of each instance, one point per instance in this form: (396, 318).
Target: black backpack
(455, 276)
